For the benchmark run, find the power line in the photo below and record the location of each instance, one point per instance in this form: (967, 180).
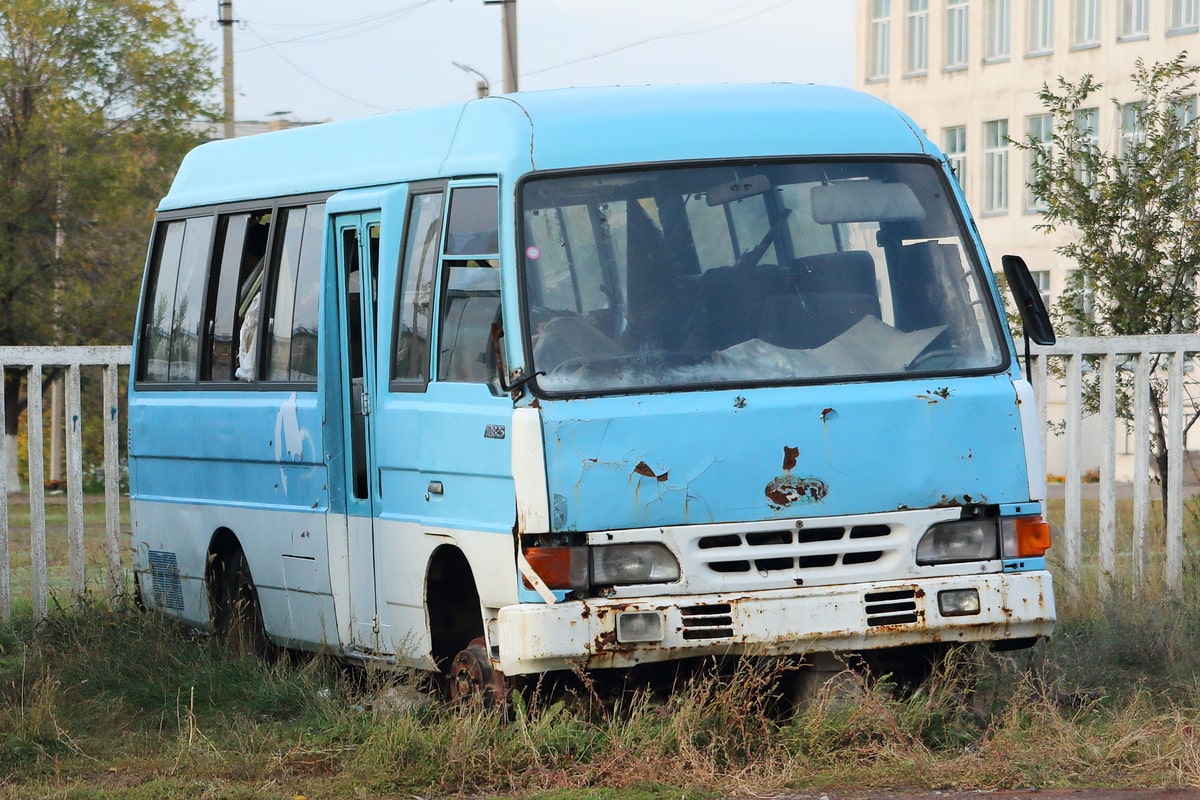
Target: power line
(660, 37)
(271, 46)
(355, 27)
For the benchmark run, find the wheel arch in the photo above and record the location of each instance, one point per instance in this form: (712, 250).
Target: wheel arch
(452, 607)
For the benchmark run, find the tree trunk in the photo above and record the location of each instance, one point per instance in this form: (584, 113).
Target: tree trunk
(12, 411)
(1159, 449)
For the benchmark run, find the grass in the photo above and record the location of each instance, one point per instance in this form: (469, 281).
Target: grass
(101, 700)
(106, 701)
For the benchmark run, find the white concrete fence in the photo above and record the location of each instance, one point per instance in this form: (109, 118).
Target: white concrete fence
(1106, 438)
(1102, 436)
(36, 361)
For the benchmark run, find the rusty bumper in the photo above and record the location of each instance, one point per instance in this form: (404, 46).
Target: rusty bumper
(533, 637)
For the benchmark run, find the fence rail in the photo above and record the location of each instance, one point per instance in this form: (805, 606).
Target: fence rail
(34, 361)
(1057, 370)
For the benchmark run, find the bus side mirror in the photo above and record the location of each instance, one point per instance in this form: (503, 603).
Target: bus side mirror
(1029, 300)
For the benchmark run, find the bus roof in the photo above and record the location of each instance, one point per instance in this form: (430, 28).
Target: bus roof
(513, 134)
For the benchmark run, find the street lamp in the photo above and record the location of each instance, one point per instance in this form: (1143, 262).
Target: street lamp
(482, 87)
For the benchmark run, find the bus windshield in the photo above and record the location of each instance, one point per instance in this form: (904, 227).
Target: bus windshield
(659, 278)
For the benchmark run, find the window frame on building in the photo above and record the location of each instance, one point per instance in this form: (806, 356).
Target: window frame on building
(1183, 16)
(1135, 19)
(954, 145)
(997, 30)
(916, 37)
(1039, 17)
(995, 166)
(1085, 23)
(1038, 128)
(879, 47)
(957, 34)
(1132, 130)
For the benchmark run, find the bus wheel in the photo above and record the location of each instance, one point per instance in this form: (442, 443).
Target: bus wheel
(472, 677)
(237, 616)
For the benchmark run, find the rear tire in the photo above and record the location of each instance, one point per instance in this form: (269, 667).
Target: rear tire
(237, 621)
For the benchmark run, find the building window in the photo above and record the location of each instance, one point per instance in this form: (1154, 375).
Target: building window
(1135, 18)
(1133, 131)
(917, 44)
(1040, 17)
(1041, 278)
(954, 144)
(1184, 14)
(995, 166)
(1040, 129)
(956, 34)
(1087, 123)
(996, 35)
(1085, 23)
(881, 33)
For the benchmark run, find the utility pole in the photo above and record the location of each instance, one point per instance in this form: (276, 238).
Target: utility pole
(226, 20)
(509, 41)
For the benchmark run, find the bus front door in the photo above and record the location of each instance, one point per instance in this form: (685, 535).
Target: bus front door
(357, 245)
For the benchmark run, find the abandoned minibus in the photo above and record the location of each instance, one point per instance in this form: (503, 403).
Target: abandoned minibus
(585, 378)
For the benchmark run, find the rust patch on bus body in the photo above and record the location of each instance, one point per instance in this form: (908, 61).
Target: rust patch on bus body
(787, 489)
(645, 471)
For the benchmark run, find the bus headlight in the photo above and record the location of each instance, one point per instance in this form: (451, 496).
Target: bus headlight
(618, 564)
(963, 540)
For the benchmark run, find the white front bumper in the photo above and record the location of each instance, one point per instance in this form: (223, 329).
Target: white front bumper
(534, 637)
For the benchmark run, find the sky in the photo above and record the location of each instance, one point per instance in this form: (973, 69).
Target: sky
(310, 61)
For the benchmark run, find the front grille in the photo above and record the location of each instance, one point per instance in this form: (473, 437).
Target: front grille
(789, 551)
(707, 622)
(892, 607)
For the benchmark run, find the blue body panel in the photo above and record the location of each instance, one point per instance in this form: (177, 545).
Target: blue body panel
(723, 456)
(514, 134)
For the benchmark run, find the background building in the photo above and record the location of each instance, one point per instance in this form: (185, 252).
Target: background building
(969, 73)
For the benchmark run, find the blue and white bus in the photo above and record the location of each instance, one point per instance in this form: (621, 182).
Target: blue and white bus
(585, 377)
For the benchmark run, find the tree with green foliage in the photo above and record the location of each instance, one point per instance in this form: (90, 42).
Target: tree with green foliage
(95, 101)
(1133, 212)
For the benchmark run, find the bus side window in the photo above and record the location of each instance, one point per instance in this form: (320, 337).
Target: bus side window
(292, 354)
(410, 365)
(241, 248)
(471, 300)
(171, 328)
(470, 291)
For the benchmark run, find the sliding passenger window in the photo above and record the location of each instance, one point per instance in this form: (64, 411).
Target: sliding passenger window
(232, 317)
(410, 364)
(171, 330)
(470, 295)
(293, 324)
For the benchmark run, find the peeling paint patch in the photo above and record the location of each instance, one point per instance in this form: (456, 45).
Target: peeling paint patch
(645, 471)
(935, 395)
(289, 438)
(789, 489)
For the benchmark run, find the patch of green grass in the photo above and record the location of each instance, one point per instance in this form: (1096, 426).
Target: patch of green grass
(101, 700)
(105, 701)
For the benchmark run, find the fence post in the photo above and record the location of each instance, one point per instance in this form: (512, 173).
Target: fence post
(1072, 519)
(5, 575)
(37, 492)
(1141, 469)
(1108, 470)
(1175, 448)
(112, 479)
(75, 550)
